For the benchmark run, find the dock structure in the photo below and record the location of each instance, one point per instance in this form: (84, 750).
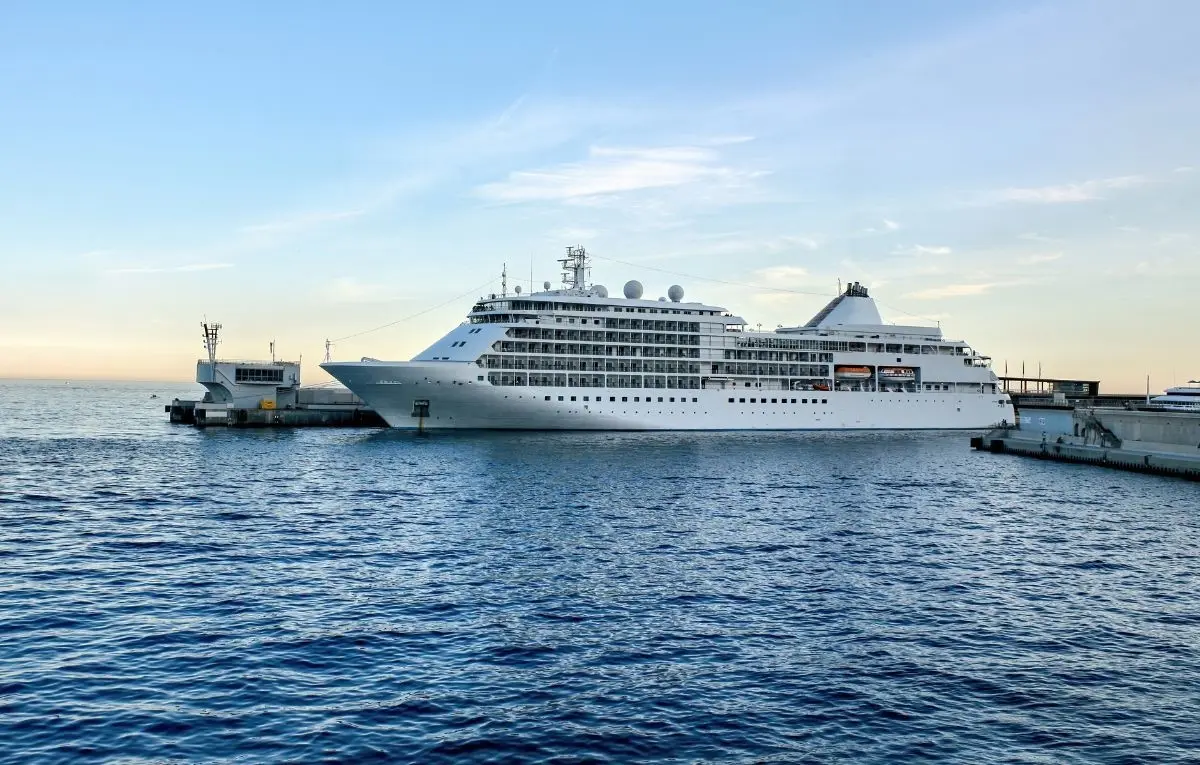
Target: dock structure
(260, 394)
(1162, 442)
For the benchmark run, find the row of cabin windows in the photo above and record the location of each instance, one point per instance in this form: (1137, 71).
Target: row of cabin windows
(682, 400)
(537, 305)
(853, 346)
(570, 364)
(587, 349)
(779, 401)
(636, 399)
(680, 335)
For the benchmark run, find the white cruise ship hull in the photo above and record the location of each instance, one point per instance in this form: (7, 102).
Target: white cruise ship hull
(442, 395)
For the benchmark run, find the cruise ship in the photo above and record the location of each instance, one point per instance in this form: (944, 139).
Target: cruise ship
(577, 358)
(1184, 398)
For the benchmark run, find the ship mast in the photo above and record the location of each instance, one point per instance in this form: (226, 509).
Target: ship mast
(575, 268)
(211, 331)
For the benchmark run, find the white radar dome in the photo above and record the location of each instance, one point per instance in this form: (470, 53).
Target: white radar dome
(633, 289)
(675, 293)
(518, 289)
(600, 290)
(545, 285)
(662, 300)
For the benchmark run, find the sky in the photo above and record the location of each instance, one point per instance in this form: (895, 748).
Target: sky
(1026, 174)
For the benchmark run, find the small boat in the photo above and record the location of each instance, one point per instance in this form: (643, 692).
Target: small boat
(852, 373)
(897, 374)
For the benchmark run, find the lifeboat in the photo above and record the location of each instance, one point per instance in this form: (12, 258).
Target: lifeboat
(897, 374)
(852, 373)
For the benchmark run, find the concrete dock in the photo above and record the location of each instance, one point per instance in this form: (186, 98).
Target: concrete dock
(1146, 441)
(265, 394)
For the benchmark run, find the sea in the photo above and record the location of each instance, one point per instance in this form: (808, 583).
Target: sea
(169, 594)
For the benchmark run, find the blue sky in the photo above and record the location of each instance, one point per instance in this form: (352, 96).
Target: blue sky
(1021, 171)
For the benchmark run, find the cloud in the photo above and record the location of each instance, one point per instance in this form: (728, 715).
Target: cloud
(190, 267)
(572, 234)
(612, 171)
(884, 227)
(921, 249)
(1035, 237)
(300, 222)
(1071, 192)
(1033, 260)
(953, 290)
(779, 276)
(1183, 169)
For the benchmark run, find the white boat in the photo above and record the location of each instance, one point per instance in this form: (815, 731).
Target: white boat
(1180, 398)
(577, 359)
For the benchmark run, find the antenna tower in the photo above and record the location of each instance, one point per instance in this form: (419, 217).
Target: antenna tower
(328, 346)
(504, 280)
(575, 268)
(211, 332)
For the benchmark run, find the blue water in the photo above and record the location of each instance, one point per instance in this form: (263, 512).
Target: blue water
(168, 594)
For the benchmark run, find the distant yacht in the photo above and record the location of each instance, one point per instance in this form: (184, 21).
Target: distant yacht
(576, 359)
(1181, 397)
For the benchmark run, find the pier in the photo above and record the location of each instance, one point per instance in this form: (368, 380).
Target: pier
(263, 394)
(1161, 442)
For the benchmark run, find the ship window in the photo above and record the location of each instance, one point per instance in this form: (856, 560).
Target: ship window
(547, 398)
(740, 400)
(753, 401)
(612, 398)
(636, 399)
(624, 398)
(804, 401)
(695, 400)
(558, 319)
(560, 398)
(793, 401)
(660, 399)
(824, 401)
(572, 398)
(585, 398)
(774, 401)
(672, 399)
(479, 378)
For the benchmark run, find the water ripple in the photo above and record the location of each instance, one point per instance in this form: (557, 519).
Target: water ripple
(172, 595)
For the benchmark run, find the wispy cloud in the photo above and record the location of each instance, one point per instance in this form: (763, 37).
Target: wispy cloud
(571, 234)
(1033, 236)
(1070, 192)
(922, 249)
(301, 222)
(1035, 259)
(1184, 169)
(171, 269)
(611, 171)
(782, 276)
(953, 290)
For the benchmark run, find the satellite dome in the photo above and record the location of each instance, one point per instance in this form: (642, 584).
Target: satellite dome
(662, 300)
(600, 290)
(633, 289)
(675, 293)
(545, 285)
(518, 289)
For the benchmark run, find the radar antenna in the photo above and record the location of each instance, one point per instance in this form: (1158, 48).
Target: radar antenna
(328, 346)
(211, 332)
(575, 268)
(504, 280)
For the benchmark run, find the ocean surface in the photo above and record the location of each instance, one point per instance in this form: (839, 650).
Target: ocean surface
(175, 595)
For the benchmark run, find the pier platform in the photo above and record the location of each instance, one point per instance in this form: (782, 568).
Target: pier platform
(265, 394)
(313, 407)
(1143, 441)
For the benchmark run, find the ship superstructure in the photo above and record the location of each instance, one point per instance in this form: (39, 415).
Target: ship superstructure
(577, 358)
